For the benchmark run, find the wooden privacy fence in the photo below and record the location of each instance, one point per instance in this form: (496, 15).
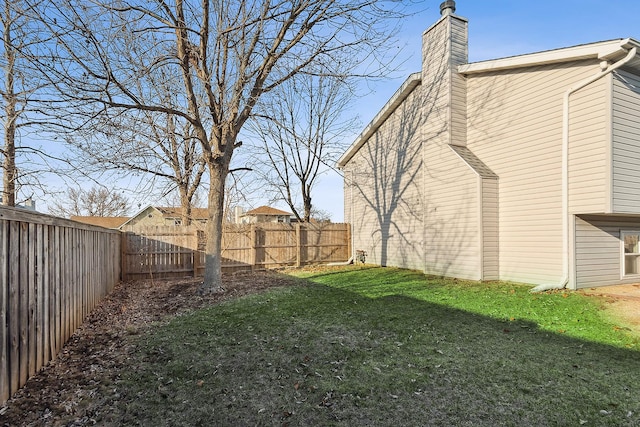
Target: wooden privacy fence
(52, 273)
(158, 251)
(167, 251)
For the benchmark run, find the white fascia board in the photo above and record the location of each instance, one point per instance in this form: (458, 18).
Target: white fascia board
(607, 50)
(394, 102)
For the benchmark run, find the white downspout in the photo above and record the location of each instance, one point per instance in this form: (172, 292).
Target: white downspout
(565, 166)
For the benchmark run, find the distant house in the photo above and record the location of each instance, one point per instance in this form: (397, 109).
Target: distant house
(113, 222)
(523, 168)
(265, 214)
(28, 204)
(172, 216)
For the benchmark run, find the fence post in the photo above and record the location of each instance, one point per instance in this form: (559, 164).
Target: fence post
(298, 245)
(124, 237)
(349, 248)
(196, 253)
(254, 249)
(5, 308)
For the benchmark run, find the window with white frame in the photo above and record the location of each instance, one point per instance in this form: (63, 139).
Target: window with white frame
(630, 252)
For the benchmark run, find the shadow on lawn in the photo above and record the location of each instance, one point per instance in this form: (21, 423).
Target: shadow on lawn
(316, 355)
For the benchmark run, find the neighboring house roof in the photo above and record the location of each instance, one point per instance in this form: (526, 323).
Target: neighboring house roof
(266, 210)
(175, 212)
(101, 221)
(197, 214)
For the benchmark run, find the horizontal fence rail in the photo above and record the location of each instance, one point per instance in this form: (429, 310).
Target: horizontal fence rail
(168, 251)
(53, 272)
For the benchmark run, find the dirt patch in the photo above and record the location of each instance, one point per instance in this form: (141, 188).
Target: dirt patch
(81, 385)
(621, 302)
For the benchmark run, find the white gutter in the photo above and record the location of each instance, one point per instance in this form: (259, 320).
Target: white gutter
(565, 165)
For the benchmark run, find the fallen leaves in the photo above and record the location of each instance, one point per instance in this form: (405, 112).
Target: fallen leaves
(80, 383)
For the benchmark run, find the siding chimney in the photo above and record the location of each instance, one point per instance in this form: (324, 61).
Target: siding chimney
(30, 204)
(444, 47)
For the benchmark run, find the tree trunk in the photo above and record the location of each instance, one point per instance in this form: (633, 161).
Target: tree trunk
(9, 168)
(11, 115)
(213, 249)
(306, 200)
(185, 205)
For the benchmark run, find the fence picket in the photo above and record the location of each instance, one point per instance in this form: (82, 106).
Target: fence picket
(5, 386)
(33, 290)
(44, 288)
(23, 292)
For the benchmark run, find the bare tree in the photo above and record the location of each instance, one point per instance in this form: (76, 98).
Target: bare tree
(14, 90)
(97, 201)
(301, 126)
(158, 144)
(10, 107)
(228, 55)
(26, 165)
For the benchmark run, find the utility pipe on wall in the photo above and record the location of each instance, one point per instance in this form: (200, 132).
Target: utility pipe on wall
(606, 69)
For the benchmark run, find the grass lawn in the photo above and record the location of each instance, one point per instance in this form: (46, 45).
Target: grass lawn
(381, 346)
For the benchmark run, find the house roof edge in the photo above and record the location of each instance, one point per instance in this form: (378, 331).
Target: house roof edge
(604, 50)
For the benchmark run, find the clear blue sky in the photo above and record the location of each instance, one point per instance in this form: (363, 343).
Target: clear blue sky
(497, 28)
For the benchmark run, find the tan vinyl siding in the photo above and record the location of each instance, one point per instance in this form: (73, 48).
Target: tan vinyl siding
(348, 187)
(487, 209)
(452, 231)
(490, 229)
(445, 47)
(434, 52)
(515, 127)
(386, 204)
(598, 250)
(458, 91)
(589, 139)
(459, 36)
(626, 143)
